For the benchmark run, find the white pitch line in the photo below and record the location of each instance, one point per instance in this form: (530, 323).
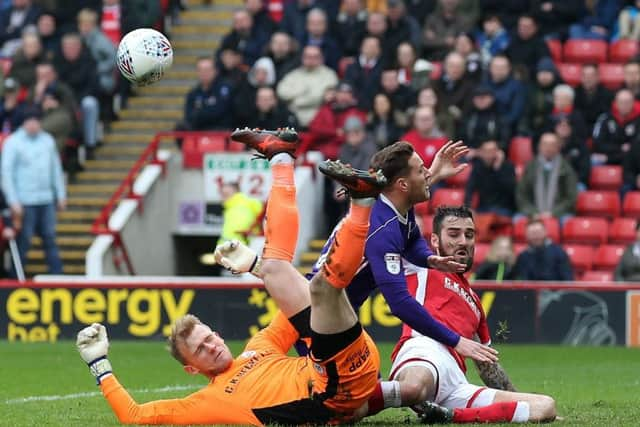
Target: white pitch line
(94, 394)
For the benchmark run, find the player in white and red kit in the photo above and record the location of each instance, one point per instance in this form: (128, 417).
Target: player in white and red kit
(436, 373)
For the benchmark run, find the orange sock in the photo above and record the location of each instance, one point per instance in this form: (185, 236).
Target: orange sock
(345, 255)
(281, 229)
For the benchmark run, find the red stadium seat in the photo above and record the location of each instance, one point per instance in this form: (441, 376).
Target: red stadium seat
(343, 64)
(592, 231)
(623, 50)
(597, 276)
(581, 257)
(607, 257)
(585, 51)
(459, 180)
(518, 248)
(482, 249)
(631, 204)
(605, 177)
(216, 142)
(598, 203)
(570, 73)
(520, 150)
(551, 224)
(436, 71)
(622, 231)
(427, 226)
(555, 48)
(422, 208)
(611, 75)
(447, 197)
(236, 147)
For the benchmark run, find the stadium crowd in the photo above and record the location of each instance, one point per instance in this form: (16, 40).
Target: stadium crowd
(543, 92)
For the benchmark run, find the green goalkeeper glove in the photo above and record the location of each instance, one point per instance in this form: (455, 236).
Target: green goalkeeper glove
(93, 345)
(238, 258)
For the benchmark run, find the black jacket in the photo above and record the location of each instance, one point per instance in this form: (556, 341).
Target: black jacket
(210, 108)
(495, 188)
(592, 105)
(549, 262)
(632, 164)
(81, 75)
(527, 53)
(276, 118)
(365, 83)
(484, 125)
(611, 132)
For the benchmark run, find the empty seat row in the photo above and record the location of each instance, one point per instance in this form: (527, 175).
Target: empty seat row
(586, 51)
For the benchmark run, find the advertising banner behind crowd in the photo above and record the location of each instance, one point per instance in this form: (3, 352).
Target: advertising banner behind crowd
(525, 314)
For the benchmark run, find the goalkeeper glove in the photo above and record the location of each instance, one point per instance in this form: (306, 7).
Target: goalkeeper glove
(93, 344)
(238, 258)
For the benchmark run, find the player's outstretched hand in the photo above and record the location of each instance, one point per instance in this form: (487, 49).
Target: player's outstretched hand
(446, 264)
(476, 351)
(93, 345)
(237, 257)
(445, 163)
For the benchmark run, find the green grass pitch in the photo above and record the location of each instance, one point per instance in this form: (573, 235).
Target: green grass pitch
(49, 385)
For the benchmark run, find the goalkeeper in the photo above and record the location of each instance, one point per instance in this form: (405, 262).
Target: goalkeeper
(263, 385)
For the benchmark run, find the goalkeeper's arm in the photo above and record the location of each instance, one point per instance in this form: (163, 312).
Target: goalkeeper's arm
(238, 258)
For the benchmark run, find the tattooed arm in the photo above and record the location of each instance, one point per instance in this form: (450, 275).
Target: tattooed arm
(493, 375)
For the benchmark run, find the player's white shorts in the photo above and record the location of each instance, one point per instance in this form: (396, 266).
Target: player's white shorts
(452, 388)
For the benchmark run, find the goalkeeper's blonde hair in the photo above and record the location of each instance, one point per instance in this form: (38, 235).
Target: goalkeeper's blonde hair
(180, 330)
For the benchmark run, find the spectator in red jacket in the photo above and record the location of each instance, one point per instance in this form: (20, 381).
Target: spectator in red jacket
(426, 137)
(326, 127)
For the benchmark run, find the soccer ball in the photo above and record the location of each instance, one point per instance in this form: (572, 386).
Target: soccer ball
(144, 55)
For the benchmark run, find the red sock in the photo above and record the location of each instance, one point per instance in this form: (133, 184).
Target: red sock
(376, 401)
(495, 413)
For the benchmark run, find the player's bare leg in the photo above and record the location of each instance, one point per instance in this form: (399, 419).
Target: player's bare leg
(331, 311)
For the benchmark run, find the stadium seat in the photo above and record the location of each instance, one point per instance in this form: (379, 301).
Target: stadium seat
(605, 177)
(623, 50)
(631, 204)
(551, 224)
(592, 231)
(480, 255)
(581, 257)
(215, 142)
(520, 150)
(611, 75)
(518, 248)
(422, 208)
(459, 180)
(607, 257)
(436, 71)
(585, 51)
(555, 48)
(598, 276)
(427, 226)
(570, 73)
(446, 196)
(343, 64)
(235, 147)
(598, 203)
(622, 231)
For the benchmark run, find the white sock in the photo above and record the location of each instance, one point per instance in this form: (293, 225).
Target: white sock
(281, 158)
(391, 394)
(521, 414)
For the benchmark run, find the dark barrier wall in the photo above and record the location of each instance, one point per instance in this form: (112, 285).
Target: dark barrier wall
(519, 313)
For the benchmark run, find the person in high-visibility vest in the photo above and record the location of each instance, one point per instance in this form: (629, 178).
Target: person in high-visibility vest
(239, 213)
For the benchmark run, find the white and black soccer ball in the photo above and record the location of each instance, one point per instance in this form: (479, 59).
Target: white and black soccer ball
(144, 55)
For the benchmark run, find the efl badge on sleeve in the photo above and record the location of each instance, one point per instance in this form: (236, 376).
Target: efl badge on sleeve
(393, 263)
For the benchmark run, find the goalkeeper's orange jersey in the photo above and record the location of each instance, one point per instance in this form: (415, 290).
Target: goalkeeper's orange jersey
(263, 385)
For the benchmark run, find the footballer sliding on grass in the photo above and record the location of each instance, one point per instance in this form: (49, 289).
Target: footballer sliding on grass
(263, 385)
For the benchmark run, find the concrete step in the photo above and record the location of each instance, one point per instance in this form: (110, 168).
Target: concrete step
(109, 165)
(189, 74)
(81, 242)
(78, 216)
(122, 149)
(156, 101)
(185, 60)
(204, 15)
(167, 89)
(65, 255)
(146, 114)
(195, 29)
(152, 125)
(128, 138)
(304, 270)
(74, 189)
(317, 244)
(33, 269)
(100, 175)
(210, 44)
(74, 228)
(309, 257)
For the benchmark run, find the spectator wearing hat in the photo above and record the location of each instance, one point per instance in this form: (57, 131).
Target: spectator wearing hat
(56, 120)
(527, 47)
(493, 39)
(591, 97)
(401, 27)
(509, 93)
(11, 109)
(13, 21)
(262, 73)
(364, 74)
(483, 122)
(33, 184)
(317, 34)
(269, 113)
(303, 88)
(245, 37)
(541, 94)
(326, 128)
(426, 137)
(441, 28)
(23, 66)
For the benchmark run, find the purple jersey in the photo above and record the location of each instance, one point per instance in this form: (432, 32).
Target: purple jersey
(392, 239)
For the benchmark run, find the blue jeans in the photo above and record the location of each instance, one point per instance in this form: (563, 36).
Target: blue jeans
(41, 220)
(90, 115)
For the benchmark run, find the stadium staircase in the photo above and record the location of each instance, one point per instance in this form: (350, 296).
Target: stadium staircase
(155, 108)
(309, 257)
